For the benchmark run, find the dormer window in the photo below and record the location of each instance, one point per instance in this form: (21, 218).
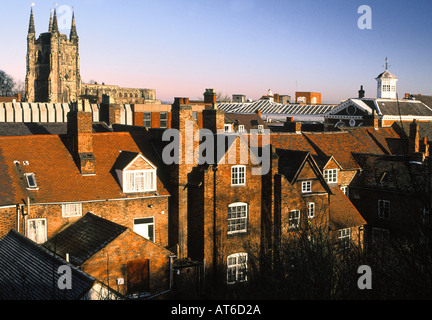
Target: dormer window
(31, 181)
(139, 181)
(135, 173)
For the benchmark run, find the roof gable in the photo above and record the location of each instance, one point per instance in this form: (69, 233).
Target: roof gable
(84, 238)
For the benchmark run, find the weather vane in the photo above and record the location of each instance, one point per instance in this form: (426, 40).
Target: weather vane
(386, 63)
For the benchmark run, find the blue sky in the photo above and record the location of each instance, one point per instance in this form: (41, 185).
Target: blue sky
(182, 47)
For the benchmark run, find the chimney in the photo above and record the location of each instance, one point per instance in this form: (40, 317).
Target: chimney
(110, 111)
(259, 113)
(361, 92)
(414, 139)
(214, 118)
(183, 121)
(276, 97)
(80, 128)
(210, 96)
(292, 126)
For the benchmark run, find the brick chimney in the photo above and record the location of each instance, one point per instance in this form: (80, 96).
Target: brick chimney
(292, 126)
(214, 118)
(80, 128)
(210, 96)
(110, 111)
(183, 121)
(414, 138)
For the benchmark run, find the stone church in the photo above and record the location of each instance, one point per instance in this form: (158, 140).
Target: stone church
(53, 70)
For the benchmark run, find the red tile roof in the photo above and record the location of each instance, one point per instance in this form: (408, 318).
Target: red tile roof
(57, 174)
(343, 214)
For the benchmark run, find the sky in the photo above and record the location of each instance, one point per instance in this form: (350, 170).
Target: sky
(181, 47)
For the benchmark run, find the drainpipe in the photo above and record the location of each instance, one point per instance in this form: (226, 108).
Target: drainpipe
(170, 279)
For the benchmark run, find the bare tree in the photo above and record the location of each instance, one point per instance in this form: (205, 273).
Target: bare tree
(7, 84)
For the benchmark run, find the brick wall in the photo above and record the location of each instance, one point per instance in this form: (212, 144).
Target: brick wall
(122, 212)
(110, 263)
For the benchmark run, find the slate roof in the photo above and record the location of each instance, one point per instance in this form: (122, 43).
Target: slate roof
(57, 174)
(84, 238)
(30, 272)
(391, 173)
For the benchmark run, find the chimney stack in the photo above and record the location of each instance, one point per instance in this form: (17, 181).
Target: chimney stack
(80, 127)
(414, 138)
(214, 118)
(361, 92)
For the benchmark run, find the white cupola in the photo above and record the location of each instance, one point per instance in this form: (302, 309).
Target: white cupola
(386, 84)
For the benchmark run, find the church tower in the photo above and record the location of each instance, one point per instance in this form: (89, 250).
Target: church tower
(386, 84)
(53, 67)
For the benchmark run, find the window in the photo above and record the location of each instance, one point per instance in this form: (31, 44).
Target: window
(311, 209)
(139, 181)
(238, 175)
(237, 268)
(31, 181)
(344, 190)
(380, 235)
(164, 119)
(260, 129)
(227, 128)
(330, 175)
(147, 119)
(71, 210)
(306, 186)
(144, 227)
(383, 209)
(195, 116)
(37, 230)
(386, 87)
(344, 237)
(237, 218)
(241, 128)
(294, 219)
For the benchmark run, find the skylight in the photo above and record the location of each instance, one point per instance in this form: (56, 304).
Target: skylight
(31, 180)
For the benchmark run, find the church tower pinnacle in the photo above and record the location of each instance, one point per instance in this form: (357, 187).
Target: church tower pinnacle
(31, 29)
(73, 31)
(55, 23)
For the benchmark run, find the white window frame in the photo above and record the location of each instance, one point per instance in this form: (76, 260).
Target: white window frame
(311, 209)
(31, 186)
(45, 230)
(383, 205)
(147, 121)
(237, 265)
(238, 175)
(344, 237)
(306, 186)
(260, 129)
(67, 211)
(344, 189)
(227, 128)
(163, 121)
(241, 128)
(294, 219)
(127, 188)
(237, 220)
(330, 175)
(147, 225)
